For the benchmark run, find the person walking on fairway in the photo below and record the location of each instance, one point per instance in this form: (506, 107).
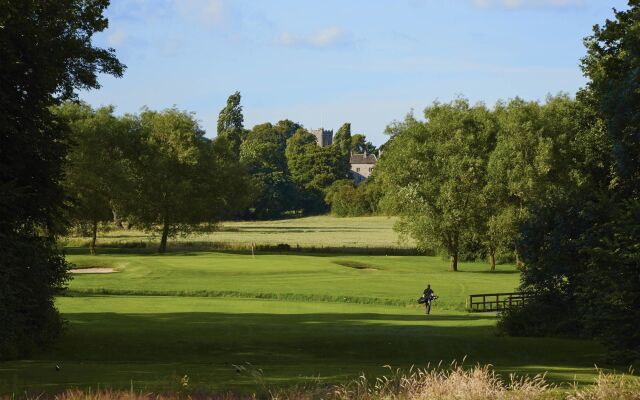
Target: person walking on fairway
(428, 296)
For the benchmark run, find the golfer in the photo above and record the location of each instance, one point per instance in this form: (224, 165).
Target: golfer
(428, 296)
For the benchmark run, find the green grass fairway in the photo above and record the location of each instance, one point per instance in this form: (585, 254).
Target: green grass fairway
(295, 317)
(391, 280)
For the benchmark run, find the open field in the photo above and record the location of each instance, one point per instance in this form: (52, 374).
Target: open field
(295, 317)
(318, 232)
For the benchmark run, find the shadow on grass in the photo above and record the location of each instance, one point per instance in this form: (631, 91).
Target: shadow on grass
(174, 250)
(294, 229)
(111, 348)
(299, 297)
(497, 272)
(306, 338)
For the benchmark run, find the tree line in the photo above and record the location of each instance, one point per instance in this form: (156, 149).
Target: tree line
(290, 174)
(557, 184)
(158, 171)
(465, 178)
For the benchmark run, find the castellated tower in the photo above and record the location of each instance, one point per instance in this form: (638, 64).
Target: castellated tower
(323, 137)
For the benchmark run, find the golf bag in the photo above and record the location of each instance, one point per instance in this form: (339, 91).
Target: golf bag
(423, 299)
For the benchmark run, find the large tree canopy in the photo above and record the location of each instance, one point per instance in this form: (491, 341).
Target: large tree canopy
(531, 163)
(313, 169)
(46, 53)
(180, 177)
(263, 153)
(95, 176)
(612, 65)
(435, 172)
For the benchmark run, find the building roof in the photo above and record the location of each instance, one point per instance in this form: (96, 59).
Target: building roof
(363, 159)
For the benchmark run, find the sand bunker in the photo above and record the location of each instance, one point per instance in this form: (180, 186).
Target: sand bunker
(355, 264)
(95, 270)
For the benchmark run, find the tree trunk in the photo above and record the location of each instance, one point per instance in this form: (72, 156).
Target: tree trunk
(519, 262)
(117, 221)
(492, 260)
(165, 234)
(454, 262)
(94, 235)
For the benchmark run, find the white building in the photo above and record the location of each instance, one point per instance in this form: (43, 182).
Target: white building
(362, 166)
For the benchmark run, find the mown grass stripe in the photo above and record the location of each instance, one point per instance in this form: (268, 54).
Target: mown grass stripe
(240, 294)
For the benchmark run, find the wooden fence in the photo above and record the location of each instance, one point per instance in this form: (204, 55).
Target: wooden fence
(495, 301)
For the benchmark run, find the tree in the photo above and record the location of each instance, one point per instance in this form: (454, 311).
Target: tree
(530, 164)
(613, 258)
(231, 123)
(263, 153)
(342, 140)
(373, 192)
(611, 64)
(360, 144)
(348, 200)
(94, 175)
(434, 173)
(181, 177)
(47, 54)
(500, 229)
(580, 250)
(313, 169)
(287, 128)
(264, 149)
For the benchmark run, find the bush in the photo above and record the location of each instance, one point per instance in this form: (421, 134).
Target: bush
(348, 200)
(539, 317)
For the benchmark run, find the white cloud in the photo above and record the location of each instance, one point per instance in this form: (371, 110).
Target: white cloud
(519, 4)
(331, 36)
(209, 12)
(116, 38)
(286, 39)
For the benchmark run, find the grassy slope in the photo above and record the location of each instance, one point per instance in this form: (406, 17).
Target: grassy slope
(153, 341)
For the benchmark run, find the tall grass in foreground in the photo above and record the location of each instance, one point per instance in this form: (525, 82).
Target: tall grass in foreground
(479, 382)
(453, 383)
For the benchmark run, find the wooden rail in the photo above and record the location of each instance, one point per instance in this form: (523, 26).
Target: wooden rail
(495, 301)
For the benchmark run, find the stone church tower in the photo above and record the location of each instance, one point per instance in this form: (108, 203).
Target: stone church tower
(323, 137)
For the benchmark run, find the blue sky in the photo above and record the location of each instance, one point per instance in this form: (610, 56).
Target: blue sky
(322, 63)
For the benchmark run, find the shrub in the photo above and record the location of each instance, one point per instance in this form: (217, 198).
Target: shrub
(539, 317)
(348, 200)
